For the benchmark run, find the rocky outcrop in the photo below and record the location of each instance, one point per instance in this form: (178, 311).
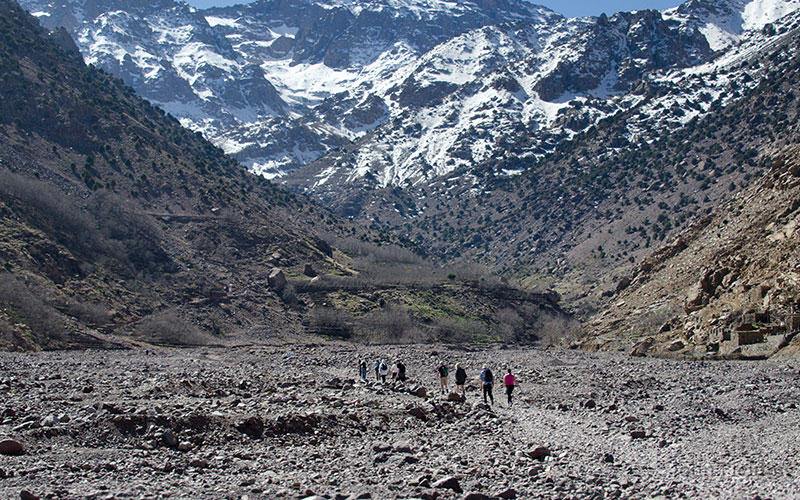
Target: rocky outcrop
(746, 299)
(277, 280)
(625, 47)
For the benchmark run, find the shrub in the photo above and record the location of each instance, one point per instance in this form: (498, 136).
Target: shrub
(459, 330)
(558, 331)
(168, 327)
(45, 324)
(331, 322)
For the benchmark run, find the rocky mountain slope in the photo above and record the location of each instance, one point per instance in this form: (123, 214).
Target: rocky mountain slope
(420, 124)
(727, 286)
(561, 152)
(117, 224)
(582, 217)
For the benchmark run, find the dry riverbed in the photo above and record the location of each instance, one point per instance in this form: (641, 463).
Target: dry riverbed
(294, 421)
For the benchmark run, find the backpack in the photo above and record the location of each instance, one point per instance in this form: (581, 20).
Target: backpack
(383, 366)
(442, 371)
(488, 376)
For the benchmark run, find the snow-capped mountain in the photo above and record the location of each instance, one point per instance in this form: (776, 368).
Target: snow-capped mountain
(229, 72)
(397, 92)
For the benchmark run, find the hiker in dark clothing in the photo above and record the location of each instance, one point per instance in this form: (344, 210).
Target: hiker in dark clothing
(441, 370)
(461, 379)
(377, 369)
(401, 371)
(362, 369)
(487, 380)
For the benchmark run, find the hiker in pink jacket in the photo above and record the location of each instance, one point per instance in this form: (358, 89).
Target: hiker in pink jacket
(509, 381)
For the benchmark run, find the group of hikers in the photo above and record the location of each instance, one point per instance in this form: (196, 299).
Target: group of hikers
(398, 375)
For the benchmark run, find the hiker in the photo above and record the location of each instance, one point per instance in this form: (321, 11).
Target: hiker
(508, 382)
(401, 371)
(383, 370)
(362, 369)
(395, 372)
(377, 369)
(487, 379)
(461, 379)
(442, 371)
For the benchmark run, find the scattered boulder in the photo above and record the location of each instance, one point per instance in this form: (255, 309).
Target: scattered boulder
(622, 284)
(539, 453)
(418, 412)
(403, 448)
(49, 421)
(638, 434)
(252, 427)
(640, 348)
(478, 496)
(309, 271)
(456, 397)
(277, 280)
(696, 299)
(27, 495)
(295, 424)
(419, 391)
(507, 494)
(381, 447)
(199, 463)
(675, 345)
(11, 447)
(449, 482)
(169, 439)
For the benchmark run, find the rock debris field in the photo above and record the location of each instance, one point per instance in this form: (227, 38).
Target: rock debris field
(295, 422)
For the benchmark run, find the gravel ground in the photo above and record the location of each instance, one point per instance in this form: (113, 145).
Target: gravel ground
(294, 422)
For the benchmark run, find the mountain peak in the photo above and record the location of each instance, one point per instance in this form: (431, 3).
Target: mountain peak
(723, 21)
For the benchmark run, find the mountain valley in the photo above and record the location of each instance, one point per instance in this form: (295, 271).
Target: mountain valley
(557, 152)
(210, 218)
(121, 226)
(560, 153)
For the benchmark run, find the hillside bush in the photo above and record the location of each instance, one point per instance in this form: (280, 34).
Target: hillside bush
(556, 331)
(169, 328)
(331, 322)
(45, 324)
(109, 227)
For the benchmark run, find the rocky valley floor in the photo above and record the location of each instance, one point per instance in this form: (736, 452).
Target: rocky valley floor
(294, 421)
